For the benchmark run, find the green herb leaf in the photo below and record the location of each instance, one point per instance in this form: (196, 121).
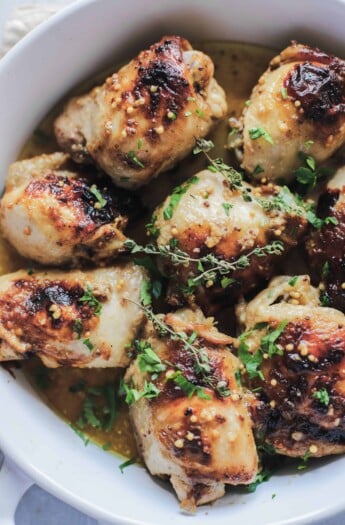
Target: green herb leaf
(176, 197)
(227, 281)
(256, 133)
(132, 395)
(89, 298)
(148, 360)
(127, 463)
(88, 344)
(151, 227)
(261, 477)
(322, 396)
(283, 92)
(325, 270)
(293, 281)
(80, 434)
(100, 199)
(189, 388)
(303, 465)
(257, 170)
(268, 342)
(227, 207)
(132, 156)
(145, 293)
(78, 328)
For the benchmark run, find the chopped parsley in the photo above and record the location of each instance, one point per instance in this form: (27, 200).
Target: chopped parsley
(187, 386)
(322, 396)
(283, 92)
(227, 207)
(199, 113)
(132, 156)
(78, 328)
(293, 281)
(256, 133)
(132, 395)
(148, 360)
(99, 197)
(140, 143)
(88, 344)
(145, 293)
(252, 361)
(227, 281)
(257, 170)
(127, 463)
(89, 298)
(80, 434)
(176, 197)
(303, 465)
(261, 477)
(325, 270)
(151, 227)
(309, 174)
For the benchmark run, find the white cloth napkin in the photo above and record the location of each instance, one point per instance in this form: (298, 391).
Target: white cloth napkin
(23, 19)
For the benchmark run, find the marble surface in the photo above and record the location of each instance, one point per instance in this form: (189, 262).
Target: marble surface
(37, 507)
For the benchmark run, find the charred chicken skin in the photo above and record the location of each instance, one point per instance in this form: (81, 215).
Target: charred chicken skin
(146, 117)
(297, 107)
(300, 347)
(74, 318)
(192, 424)
(326, 246)
(57, 214)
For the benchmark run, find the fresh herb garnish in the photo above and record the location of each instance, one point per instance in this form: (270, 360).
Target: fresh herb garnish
(325, 270)
(176, 197)
(88, 344)
(210, 268)
(256, 133)
(80, 434)
(132, 156)
(227, 207)
(151, 227)
(257, 170)
(101, 201)
(293, 281)
(145, 293)
(309, 174)
(187, 386)
(261, 477)
(127, 463)
(148, 360)
(89, 298)
(78, 328)
(132, 395)
(322, 396)
(303, 465)
(284, 93)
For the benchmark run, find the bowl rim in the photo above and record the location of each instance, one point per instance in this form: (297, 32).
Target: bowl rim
(7, 446)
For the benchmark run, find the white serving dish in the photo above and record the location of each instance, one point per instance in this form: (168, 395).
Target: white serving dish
(66, 49)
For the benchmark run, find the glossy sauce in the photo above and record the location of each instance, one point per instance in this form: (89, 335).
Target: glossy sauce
(237, 69)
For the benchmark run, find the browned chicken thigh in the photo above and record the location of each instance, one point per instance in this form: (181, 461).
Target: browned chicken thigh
(326, 246)
(74, 318)
(243, 227)
(146, 117)
(294, 353)
(191, 417)
(55, 213)
(298, 106)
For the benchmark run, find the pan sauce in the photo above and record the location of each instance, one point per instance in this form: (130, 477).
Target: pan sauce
(237, 66)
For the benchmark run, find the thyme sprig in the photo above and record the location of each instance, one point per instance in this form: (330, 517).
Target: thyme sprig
(217, 165)
(209, 266)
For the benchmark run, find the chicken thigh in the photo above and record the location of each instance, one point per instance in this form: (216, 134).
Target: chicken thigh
(191, 417)
(55, 214)
(146, 117)
(326, 246)
(75, 318)
(247, 228)
(294, 353)
(296, 107)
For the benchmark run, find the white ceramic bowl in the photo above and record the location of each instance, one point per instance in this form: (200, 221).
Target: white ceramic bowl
(33, 76)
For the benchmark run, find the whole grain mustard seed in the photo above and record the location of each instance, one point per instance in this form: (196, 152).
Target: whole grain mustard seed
(179, 443)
